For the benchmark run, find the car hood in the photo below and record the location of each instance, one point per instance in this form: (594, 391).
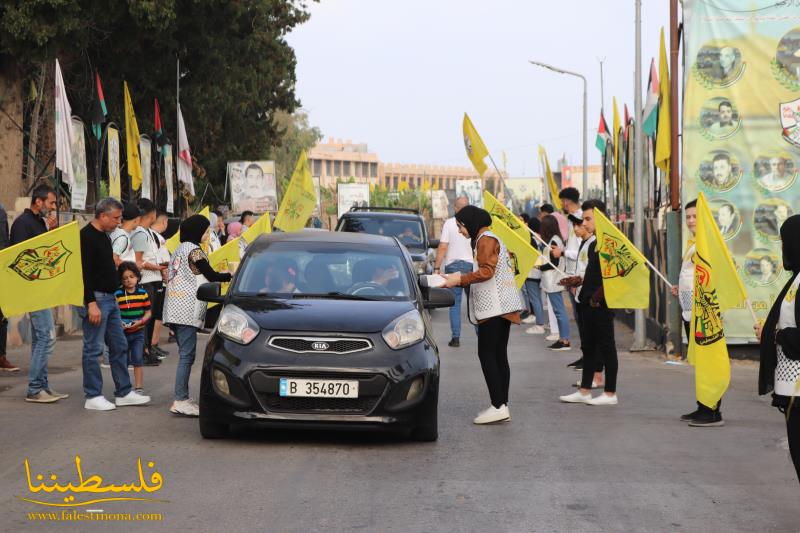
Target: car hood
(323, 315)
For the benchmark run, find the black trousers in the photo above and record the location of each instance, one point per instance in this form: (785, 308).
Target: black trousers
(598, 336)
(793, 432)
(585, 348)
(152, 293)
(493, 354)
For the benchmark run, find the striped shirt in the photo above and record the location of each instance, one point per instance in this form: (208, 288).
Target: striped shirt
(132, 306)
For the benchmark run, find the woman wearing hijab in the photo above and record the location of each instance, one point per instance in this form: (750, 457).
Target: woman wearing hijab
(234, 230)
(779, 369)
(494, 302)
(214, 243)
(188, 270)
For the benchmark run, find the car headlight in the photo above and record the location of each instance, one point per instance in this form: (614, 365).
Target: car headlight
(236, 325)
(419, 266)
(404, 330)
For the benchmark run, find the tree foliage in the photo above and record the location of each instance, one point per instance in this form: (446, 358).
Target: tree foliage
(237, 70)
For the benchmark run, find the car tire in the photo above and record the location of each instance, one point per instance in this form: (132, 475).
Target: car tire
(212, 430)
(429, 432)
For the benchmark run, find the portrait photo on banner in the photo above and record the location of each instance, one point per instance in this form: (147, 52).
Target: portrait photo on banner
(472, 189)
(253, 186)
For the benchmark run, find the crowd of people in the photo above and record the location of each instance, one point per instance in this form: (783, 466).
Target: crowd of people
(132, 285)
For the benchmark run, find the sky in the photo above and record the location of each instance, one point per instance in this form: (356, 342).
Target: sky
(399, 75)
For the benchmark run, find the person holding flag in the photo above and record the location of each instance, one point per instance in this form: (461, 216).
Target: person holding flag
(494, 303)
(596, 318)
(779, 367)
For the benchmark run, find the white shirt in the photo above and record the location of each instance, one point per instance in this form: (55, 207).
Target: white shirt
(550, 278)
(686, 284)
(787, 371)
(121, 244)
(458, 246)
(571, 252)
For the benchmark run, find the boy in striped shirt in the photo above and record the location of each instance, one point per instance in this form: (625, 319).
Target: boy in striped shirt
(134, 307)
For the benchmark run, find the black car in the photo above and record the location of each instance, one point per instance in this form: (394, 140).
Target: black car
(407, 225)
(323, 330)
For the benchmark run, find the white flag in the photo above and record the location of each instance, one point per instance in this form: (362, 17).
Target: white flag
(64, 132)
(184, 156)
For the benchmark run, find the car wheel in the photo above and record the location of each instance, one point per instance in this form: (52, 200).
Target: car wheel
(429, 432)
(212, 430)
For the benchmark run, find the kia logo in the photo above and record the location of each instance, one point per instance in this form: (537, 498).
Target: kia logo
(320, 346)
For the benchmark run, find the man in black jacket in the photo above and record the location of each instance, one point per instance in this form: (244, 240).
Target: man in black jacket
(5, 366)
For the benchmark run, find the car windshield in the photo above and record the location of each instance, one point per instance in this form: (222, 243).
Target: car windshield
(408, 231)
(325, 270)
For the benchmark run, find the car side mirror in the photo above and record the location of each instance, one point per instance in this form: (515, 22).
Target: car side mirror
(210, 292)
(433, 243)
(435, 298)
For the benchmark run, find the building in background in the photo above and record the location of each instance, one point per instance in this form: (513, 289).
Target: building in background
(572, 176)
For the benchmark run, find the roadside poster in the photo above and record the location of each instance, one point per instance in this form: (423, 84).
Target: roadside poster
(79, 171)
(472, 189)
(114, 184)
(352, 195)
(253, 186)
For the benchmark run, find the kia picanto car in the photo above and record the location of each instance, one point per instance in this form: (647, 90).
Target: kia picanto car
(323, 330)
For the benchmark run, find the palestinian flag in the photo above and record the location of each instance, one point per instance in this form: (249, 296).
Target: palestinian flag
(99, 111)
(650, 113)
(159, 132)
(602, 134)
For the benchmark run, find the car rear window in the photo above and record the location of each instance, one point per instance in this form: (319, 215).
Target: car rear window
(409, 232)
(288, 269)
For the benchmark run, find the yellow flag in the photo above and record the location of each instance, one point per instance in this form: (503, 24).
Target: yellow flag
(300, 199)
(626, 278)
(476, 150)
(717, 287)
(261, 226)
(663, 133)
(42, 272)
(522, 254)
(114, 185)
(223, 259)
(551, 181)
(498, 210)
(175, 240)
(132, 142)
(615, 137)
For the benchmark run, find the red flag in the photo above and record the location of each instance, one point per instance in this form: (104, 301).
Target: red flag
(157, 114)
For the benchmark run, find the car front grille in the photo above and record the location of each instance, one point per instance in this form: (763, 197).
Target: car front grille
(266, 385)
(330, 345)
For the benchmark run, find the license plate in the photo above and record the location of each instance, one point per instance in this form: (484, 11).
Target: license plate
(318, 388)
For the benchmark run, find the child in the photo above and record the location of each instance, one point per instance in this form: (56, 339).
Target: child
(134, 309)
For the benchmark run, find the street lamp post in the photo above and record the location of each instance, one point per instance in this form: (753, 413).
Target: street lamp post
(585, 120)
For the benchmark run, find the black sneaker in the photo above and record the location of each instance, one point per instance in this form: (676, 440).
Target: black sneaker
(707, 418)
(559, 346)
(688, 417)
(149, 360)
(576, 364)
(454, 342)
(158, 351)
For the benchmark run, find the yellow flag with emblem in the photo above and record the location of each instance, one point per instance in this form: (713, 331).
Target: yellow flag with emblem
(132, 141)
(42, 272)
(300, 199)
(523, 256)
(626, 278)
(498, 210)
(223, 259)
(175, 240)
(260, 226)
(551, 180)
(476, 150)
(717, 287)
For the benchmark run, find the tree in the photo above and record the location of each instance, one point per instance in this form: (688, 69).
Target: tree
(237, 69)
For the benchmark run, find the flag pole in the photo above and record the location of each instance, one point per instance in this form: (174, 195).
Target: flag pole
(752, 313)
(656, 272)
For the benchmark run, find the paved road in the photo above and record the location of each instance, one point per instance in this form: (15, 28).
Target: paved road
(555, 467)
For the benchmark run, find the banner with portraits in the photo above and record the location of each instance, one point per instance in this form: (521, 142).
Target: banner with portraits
(114, 183)
(169, 173)
(78, 152)
(472, 189)
(741, 135)
(351, 195)
(440, 204)
(146, 158)
(253, 186)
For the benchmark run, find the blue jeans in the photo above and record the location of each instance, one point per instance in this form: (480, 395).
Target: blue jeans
(110, 331)
(136, 347)
(533, 291)
(556, 300)
(43, 339)
(455, 311)
(187, 348)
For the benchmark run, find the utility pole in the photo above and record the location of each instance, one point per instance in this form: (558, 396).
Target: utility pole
(639, 334)
(602, 85)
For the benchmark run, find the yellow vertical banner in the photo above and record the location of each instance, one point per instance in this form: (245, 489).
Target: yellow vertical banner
(114, 184)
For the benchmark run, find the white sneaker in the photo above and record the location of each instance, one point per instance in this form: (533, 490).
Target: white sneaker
(98, 403)
(576, 397)
(105, 365)
(530, 319)
(553, 337)
(535, 330)
(492, 415)
(185, 408)
(132, 398)
(604, 399)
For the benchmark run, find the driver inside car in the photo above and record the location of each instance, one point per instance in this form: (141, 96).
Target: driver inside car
(408, 236)
(281, 278)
